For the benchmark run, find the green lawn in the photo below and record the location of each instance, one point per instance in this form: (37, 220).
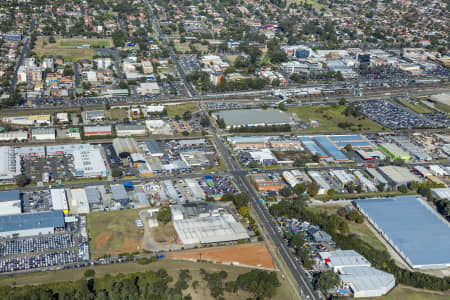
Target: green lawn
(94, 43)
(404, 293)
(43, 49)
(114, 232)
(173, 110)
(442, 107)
(329, 117)
(419, 108)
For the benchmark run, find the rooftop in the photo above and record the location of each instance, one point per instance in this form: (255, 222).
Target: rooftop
(54, 218)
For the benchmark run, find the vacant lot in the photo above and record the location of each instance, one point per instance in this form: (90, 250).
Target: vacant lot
(293, 156)
(43, 48)
(119, 114)
(255, 255)
(164, 233)
(405, 293)
(180, 109)
(114, 232)
(94, 43)
(329, 118)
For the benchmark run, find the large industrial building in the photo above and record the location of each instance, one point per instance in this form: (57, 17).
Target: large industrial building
(358, 277)
(9, 168)
(418, 233)
(59, 200)
(398, 175)
(202, 224)
(31, 224)
(395, 151)
(254, 117)
(89, 163)
(78, 201)
(10, 202)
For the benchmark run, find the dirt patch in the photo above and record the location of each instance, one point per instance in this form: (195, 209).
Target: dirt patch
(255, 255)
(102, 239)
(128, 246)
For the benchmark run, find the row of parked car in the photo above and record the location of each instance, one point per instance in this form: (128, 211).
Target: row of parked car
(38, 261)
(36, 244)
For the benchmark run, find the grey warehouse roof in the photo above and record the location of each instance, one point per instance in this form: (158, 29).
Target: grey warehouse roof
(242, 117)
(12, 195)
(417, 232)
(54, 218)
(92, 195)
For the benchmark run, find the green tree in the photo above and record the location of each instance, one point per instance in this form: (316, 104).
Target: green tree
(326, 281)
(403, 189)
(286, 191)
(164, 215)
(300, 188)
(297, 241)
(348, 148)
(89, 273)
(331, 192)
(22, 180)
(116, 172)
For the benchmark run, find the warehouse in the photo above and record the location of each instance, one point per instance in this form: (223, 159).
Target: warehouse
(248, 142)
(366, 281)
(324, 186)
(9, 166)
(119, 194)
(130, 129)
(43, 134)
(93, 197)
(31, 224)
(93, 116)
(395, 151)
(265, 182)
(78, 202)
(356, 141)
(59, 200)
(153, 148)
(97, 130)
(368, 155)
(338, 259)
(295, 177)
(263, 157)
(89, 163)
(417, 232)
(398, 175)
(125, 146)
(441, 193)
(376, 176)
(415, 150)
(254, 117)
(29, 120)
(368, 185)
(17, 135)
(330, 148)
(312, 147)
(342, 176)
(10, 202)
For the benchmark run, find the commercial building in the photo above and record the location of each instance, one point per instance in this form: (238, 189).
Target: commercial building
(416, 231)
(398, 175)
(148, 88)
(43, 134)
(78, 202)
(59, 200)
(324, 186)
(9, 166)
(395, 151)
(119, 194)
(67, 149)
(130, 129)
(336, 260)
(265, 182)
(153, 148)
(31, 224)
(295, 177)
(248, 142)
(125, 146)
(17, 135)
(89, 163)
(97, 130)
(93, 116)
(31, 151)
(263, 157)
(368, 155)
(254, 117)
(10, 202)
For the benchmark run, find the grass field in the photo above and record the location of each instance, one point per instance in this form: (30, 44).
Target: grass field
(67, 53)
(418, 108)
(94, 43)
(114, 232)
(442, 107)
(173, 110)
(164, 233)
(116, 114)
(329, 117)
(361, 230)
(404, 293)
(171, 266)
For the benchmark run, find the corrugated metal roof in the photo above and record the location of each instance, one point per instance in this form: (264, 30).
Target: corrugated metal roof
(54, 218)
(12, 195)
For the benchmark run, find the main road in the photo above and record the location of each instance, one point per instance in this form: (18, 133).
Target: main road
(173, 56)
(297, 271)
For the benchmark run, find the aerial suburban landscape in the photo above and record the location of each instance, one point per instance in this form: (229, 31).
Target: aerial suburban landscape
(224, 149)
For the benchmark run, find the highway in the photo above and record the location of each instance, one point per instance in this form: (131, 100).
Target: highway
(173, 56)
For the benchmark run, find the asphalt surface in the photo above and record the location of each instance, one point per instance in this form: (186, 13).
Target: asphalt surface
(172, 54)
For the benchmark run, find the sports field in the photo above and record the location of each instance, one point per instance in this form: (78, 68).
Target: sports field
(114, 232)
(68, 48)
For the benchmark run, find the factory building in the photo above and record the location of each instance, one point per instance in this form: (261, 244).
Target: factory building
(59, 200)
(153, 148)
(312, 147)
(93, 116)
(130, 129)
(201, 223)
(29, 120)
(414, 229)
(368, 155)
(253, 117)
(119, 194)
(17, 135)
(342, 176)
(97, 130)
(295, 177)
(441, 193)
(10, 202)
(89, 163)
(248, 142)
(324, 186)
(356, 141)
(125, 146)
(43, 134)
(330, 148)
(398, 175)
(395, 151)
(31, 224)
(78, 202)
(9, 167)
